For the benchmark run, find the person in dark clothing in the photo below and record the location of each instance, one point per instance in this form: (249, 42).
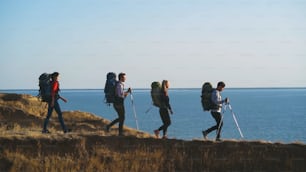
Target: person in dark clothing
(216, 112)
(119, 103)
(53, 104)
(164, 110)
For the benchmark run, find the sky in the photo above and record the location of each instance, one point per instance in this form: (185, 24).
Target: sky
(244, 43)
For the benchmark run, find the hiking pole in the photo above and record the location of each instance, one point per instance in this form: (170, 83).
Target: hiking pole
(230, 107)
(147, 111)
(134, 110)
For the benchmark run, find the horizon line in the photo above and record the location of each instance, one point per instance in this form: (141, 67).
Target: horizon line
(169, 89)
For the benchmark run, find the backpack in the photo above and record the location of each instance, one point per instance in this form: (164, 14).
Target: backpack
(206, 101)
(45, 83)
(156, 93)
(110, 87)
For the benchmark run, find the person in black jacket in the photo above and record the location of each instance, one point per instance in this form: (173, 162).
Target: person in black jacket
(164, 110)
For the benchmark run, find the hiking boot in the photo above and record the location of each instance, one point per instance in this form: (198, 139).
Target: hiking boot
(106, 128)
(205, 134)
(45, 131)
(156, 132)
(218, 140)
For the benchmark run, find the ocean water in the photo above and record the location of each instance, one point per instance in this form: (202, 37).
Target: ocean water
(276, 115)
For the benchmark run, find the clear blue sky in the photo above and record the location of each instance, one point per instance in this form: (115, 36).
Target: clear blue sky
(245, 43)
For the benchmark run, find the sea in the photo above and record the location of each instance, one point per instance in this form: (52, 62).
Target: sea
(261, 114)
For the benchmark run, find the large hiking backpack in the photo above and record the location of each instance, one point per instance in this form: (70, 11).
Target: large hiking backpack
(206, 101)
(156, 93)
(44, 92)
(110, 87)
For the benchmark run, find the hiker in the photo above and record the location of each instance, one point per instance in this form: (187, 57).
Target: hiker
(53, 104)
(164, 110)
(119, 103)
(216, 111)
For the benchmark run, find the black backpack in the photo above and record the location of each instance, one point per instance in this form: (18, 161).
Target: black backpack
(110, 88)
(45, 83)
(206, 101)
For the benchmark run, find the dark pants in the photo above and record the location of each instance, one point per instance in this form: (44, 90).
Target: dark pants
(121, 116)
(217, 116)
(165, 117)
(57, 109)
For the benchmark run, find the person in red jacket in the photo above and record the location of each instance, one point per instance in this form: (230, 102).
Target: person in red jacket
(53, 104)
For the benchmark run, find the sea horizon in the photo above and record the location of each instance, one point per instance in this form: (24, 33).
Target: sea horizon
(177, 88)
(262, 113)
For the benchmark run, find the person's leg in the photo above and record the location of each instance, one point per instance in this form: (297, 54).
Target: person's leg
(50, 110)
(121, 114)
(166, 120)
(215, 127)
(112, 123)
(156, 132)
(115, 120)
(218, 117)
(162, 118)
(57, 108)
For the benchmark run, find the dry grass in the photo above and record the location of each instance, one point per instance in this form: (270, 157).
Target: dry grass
(132, 154)
(97, 162)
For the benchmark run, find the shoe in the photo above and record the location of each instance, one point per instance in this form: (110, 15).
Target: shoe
(45, 131)
(156, 132)
(107, 128)
(67, 131)
(205, 134)
(218, 140)
(165, 137)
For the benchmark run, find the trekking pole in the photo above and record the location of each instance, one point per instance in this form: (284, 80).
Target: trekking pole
(134, 110)
(147, 111)
(230, 107)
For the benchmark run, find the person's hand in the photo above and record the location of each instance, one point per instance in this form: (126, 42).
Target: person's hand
(64, 100)
(171, 112)
(226, 100)
(129, 90)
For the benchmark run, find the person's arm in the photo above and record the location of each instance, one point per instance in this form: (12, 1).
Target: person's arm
(216, 98)
(126, 93)
(62, 98)
(169, 106)
(120, 92)
(53, 92)
(166, 101)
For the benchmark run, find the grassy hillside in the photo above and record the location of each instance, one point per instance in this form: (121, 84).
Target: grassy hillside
(89, 148)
